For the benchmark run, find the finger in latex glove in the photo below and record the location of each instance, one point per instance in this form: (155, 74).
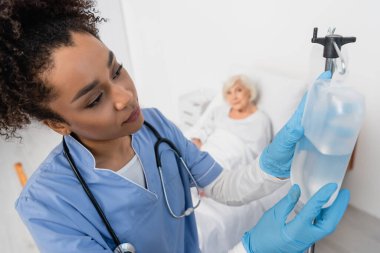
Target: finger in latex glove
(276, 158)
(273, 234)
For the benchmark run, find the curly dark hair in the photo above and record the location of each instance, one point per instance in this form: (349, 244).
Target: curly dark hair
(29, 32)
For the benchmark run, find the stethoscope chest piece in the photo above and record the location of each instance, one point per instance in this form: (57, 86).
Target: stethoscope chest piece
(125, 248)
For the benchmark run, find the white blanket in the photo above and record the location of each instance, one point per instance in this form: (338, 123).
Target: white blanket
(227, 149)
(221, 227)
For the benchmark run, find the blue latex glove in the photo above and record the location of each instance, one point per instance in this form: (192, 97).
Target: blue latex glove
(273, 235)
(276, 158)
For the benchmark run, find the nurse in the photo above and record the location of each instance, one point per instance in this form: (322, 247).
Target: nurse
(55, 69)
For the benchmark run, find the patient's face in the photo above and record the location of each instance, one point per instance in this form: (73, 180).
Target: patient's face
(238, 96)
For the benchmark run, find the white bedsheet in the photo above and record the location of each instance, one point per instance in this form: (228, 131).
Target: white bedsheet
(227, 149)
(221, 227)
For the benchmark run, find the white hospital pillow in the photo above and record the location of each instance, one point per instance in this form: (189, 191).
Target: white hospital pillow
(279, 96)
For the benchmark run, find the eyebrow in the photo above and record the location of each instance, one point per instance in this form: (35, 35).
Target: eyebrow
(86, 89)
(110, 58)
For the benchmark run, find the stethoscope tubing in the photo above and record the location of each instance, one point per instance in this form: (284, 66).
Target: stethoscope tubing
(161, 140)
(95, 203)
(89, 194)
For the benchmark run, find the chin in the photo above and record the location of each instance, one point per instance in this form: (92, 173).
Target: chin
(236, 108)
(135, 126)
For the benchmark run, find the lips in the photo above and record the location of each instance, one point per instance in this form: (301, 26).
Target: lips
(134, 116)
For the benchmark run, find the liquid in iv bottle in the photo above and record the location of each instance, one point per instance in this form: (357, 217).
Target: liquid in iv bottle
(332, 119)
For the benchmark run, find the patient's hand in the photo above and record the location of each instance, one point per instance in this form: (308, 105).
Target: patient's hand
(197, 142)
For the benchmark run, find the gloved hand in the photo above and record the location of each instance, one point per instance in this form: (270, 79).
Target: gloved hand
(276, 158)
(273, 235)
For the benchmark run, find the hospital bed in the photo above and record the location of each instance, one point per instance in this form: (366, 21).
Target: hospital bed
(221, 227)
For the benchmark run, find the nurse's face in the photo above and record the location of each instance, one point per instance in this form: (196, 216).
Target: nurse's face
(238, 96)
(95, 95)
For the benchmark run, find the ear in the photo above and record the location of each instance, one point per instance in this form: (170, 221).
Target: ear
(59, 127)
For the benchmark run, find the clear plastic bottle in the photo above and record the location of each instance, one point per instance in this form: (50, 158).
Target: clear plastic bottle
(332, 119)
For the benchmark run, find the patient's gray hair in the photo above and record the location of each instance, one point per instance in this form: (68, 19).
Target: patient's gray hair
(245, 81)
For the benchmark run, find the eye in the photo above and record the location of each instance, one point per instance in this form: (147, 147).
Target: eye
(96, 101)
(117, 72)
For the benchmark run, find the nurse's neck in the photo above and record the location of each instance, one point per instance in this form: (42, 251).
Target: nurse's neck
(113, 154)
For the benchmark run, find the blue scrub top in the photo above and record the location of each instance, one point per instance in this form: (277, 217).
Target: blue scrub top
(61, 218)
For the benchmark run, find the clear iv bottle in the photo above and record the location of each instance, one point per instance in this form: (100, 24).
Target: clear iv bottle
(332, 119)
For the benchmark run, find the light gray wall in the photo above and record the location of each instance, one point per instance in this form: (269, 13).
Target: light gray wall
(177, 46)
(113, 32)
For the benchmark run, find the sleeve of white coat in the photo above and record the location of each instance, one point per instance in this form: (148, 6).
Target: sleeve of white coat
(239, 187)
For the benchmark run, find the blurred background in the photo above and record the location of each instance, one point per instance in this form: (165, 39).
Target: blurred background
(173, 47)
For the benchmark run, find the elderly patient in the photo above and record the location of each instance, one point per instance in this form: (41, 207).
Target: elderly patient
(234, 134)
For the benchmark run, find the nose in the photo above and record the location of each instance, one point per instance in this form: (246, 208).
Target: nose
(121, 97)
(234, 95)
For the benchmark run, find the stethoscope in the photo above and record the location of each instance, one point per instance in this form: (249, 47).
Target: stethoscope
(128, 247)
